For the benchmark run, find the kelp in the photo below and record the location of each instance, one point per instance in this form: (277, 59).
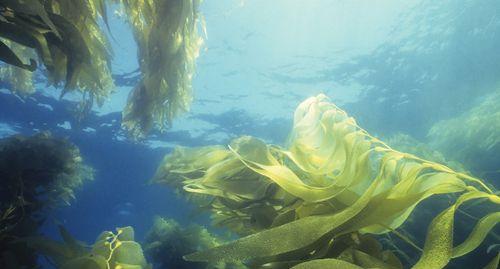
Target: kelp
(92, 75)
(110, 250)
(41, 168)
(406, 143)
(66, 37)
(166, 33)
(19, 79)
(473, 136)
(333, 180)
(168, 241)
(37, 174)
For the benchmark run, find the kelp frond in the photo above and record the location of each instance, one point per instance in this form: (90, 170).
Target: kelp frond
(472, 136)
(37, 173)
(334, 179)
(67, 39)
(166, 33)
(168, 241)
(18, 78)
(110, 250)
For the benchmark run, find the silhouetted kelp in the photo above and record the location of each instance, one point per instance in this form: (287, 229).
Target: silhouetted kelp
(37, 174)
(333, 182)
(67, 38)
(472, 137)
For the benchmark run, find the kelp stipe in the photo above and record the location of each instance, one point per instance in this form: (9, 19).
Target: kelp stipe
(110, 250)
(334, 179)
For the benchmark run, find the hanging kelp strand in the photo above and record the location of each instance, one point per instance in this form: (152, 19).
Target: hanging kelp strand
(67, 39)
(166, 33)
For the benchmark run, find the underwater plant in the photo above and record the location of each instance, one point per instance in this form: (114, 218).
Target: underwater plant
(116, 250)
(166, 34)
(297, 205)
(167, 242)
(472, 137)
(406, 143)
(20, 80)
(37, 173)
(66, 37)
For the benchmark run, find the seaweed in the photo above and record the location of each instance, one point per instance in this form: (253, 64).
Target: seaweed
(167, 241)
(333, 180)
(66, 37)
(166, 33)
(37, 174)
(473, 136)
(110, 250)
(19, 79)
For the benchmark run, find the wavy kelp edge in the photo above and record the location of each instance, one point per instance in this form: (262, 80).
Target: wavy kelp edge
(328, 148)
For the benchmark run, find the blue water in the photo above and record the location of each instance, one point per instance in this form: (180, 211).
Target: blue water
(396, 66)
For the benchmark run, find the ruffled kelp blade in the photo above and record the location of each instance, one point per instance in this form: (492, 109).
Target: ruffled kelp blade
(333, 179)
(278, 240)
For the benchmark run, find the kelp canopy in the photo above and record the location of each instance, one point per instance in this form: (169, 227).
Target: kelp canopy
(315, 203)
(66, 37)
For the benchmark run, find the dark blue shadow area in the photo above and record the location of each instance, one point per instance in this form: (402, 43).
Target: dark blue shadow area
(120, 194)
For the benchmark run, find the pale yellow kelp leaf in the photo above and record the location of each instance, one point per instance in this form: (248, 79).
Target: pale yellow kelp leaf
(268, 166)
(481, 230)
(280, 240)
(334, 179)
(168, 41)
(438, 249)
(326, 263)
(120, 249)
(111, 250)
